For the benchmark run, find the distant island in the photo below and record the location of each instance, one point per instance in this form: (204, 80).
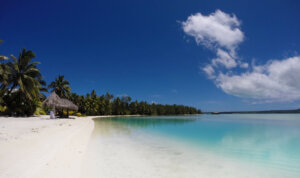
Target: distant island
(258, 112)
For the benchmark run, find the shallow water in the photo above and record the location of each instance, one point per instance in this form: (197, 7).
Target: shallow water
(233, 145)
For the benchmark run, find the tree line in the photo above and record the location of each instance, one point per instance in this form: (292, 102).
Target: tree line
(22, 90)
(92, 104)
(107, 104)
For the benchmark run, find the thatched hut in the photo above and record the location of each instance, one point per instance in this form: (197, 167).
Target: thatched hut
(55, 102)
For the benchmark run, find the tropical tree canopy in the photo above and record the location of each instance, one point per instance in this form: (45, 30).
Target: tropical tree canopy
(61, 87)
(22, 87)
(21, 84)
(25, 76)
(3, 71)
(3, 76)
(92, 104)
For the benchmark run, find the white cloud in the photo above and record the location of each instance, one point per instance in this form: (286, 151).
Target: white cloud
(218, 29)
(221, 33)
(210, 71)
(225, 59)
(277, 80)
(244, 65)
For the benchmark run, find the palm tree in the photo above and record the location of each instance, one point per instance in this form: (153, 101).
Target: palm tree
(25, 76)
(24, 84)
(2, 57)
(3, 71)
(61, 87)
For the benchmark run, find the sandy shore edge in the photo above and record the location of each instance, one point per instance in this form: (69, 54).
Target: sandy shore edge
(39, 147)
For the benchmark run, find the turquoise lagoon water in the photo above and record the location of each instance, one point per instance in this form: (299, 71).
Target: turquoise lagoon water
(268, 141)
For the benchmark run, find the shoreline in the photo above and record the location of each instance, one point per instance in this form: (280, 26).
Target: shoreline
(34, 147)
(116, 150)
(39, 147)
(42, 147)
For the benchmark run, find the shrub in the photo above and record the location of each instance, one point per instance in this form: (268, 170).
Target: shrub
(2, 108)
(18, 104)
(70, 112)
(78, 114)
(39, 110)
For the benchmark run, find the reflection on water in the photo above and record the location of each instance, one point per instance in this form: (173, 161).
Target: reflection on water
(270, 140)
(125, 125)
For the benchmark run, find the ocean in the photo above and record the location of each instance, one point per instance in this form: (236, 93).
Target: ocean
(225, 145)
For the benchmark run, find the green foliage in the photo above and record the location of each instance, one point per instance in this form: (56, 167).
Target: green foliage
(68, 112)
(2, 109)
(61, 87)
(25, 76)
(21, 84)
(78, 114)
(22, 87)
(91, 104)
(18, 104)
(39, 109)
(4, 73)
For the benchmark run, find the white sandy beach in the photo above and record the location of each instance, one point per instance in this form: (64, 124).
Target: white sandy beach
(40, 147)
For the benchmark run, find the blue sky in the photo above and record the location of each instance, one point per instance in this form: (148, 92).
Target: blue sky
(150, 51)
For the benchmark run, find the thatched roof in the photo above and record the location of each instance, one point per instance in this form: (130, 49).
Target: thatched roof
(67, 104)
(60, 103)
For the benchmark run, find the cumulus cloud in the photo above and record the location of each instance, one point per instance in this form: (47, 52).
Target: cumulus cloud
(277, 80)
(244, 65)
(224, 59)
(218, 28)
(210, 71)
(219, 32)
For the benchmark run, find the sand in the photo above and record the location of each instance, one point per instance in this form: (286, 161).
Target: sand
(40, 147)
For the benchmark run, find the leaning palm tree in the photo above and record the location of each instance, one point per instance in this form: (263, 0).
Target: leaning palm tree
(3, 76)
(23, 92)
(25, 76)
(3, 70)
(61, 87)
